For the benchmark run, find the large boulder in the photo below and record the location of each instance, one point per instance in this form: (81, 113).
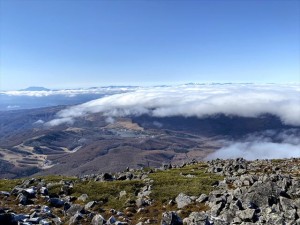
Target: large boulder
(262, 194)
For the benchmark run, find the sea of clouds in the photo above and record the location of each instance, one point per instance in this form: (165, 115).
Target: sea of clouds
(71, 92)
(24, 99)
(246, 100)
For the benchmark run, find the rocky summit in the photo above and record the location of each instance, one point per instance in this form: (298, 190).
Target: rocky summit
(217, 192)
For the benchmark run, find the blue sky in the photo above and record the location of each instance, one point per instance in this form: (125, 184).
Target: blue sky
(69, 44)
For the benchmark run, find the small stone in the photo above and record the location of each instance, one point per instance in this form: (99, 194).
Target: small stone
(111, 220)
(75, 208)
(98, 220)
(75, 218)
(246, 215)
(122, 193)
(83, 197)
(90, 205)
(56, 202)
(202, 198)
(171, 218)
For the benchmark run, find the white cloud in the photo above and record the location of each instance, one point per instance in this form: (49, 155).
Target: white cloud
(268, 144)
(71, 92)
(39, 122)
(257, 150)
(60, 121)
(247, 100)
(110, 120)
(13, 107)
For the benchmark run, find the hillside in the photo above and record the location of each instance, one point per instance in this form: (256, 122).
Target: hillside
(93, 144)
(217, 192)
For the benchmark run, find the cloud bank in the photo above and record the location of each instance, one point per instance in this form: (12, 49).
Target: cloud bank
(257, 150)
(71, 92)
(246, 100)
(267, 145)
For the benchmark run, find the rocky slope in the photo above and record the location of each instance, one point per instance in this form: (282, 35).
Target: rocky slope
(216, 192)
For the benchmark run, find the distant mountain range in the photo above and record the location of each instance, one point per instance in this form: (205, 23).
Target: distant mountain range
(35, 89)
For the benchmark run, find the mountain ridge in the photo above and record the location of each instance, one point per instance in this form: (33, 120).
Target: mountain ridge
(35, 88)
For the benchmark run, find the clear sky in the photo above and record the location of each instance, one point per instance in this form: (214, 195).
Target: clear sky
(60, 44)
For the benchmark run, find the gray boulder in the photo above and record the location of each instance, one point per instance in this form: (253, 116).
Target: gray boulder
(183, 200)
(75, 218)
(202, 198)
(22, 199)
(90, 205)
(246, 215)
(4, 193)
(286, 203)
(262, 194)
(29, 192)
(171, 218)
(83, 197)
(197, 218)
(98, 220)
(56, 202)
(111, 220)
(75, 208)
(216, 209)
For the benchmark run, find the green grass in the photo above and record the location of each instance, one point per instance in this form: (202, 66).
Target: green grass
(108, 192)
(56, 178)
(8, 185)
(168, 184)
